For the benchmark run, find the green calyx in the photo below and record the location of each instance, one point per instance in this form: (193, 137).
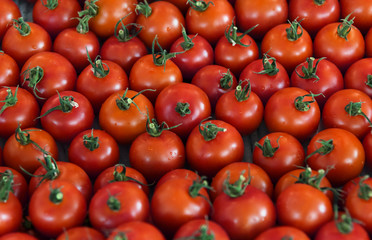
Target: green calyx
(319, 2)
(187, 43)
(310, 71)
(98, 66)
(66, 104)
(183, 109)
(200, 234)
(10, 99)
(237, 188)
(90, 9)
(346, 223)
(243, 93)
(344, 28)
(23, 137)
(292, 31)
(355, 109)
(199, 5)
(113, 203)
(306, 177)
(327, 146)
(83, 25)
(267, 149)
(160, 58)
(209, 130)
(143, 8)
(269, 65)
(6, 183)
(369, 81)
(365, 191)
(232, 37)
(124, 103)
(305, 106)
(123, 34)
(23, 28)
(91, 142)
(154, 129)
(33, 76)
(121, 236)
(56, 196)
(121, 176)
(50, 4)
(197, 185)
(226, 80)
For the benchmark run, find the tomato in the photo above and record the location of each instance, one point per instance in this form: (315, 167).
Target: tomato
(304, 207)
(294, 111)
(24, 39)
(361, 10)
(18, 107)
(157, 151)
(209, 18)
(178, 201)
(281, 233)
(243, 210)
(213, 145)
(367, 143)
(108, 13)
(199, 228)
(195, 52)
(232, 172)
(9, 71)
(182, 5)
(93, 151)
(16, 236)
(81, 233)
(182, 103)
(66, 114)
(266, 76)
(10, 11)
(74, 44)
(368, 40)
(116, 203)
(241, 108)
(265, 13)
(315, 13)
(214, 80)
(57, 206)
(19, 185)
(359, 76)
(349, 109)
(101, 79)
(289, 43)
(318, 76)
(278, 153)
(122, 115)
(136, 230)
(177, 173)
(45, 73)
(161, 19)
(55, 16)
(341, 43)
(26, 147)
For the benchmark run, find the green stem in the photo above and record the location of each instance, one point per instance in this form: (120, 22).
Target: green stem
(122, 177)
(292, 34)
(344, 28)
(33, 76)
(327, 147)
(154, 129)
(23, 28)
(232, 37)
(50, 4)
(113, 203)
(123, 34)
(310, 71)
(160, 58)
(355, 109)
(187, 43)
(121, 236)
(345, 224)
(269, 68)
(56, 196)
(198, 184)
(183, 109)
(143, 8)
(91, 142)
(365, 191)
(83, 25)
(243, 93)
(199, 5)
(226, 80)
(369, 81)
(124, 103)
(237, 188)
(302, 105)
(319, 2)
(6, 183)
(91, 8)
(98, 66)
(67, 103)
(209, 130)
(267, 149)
(10, 99)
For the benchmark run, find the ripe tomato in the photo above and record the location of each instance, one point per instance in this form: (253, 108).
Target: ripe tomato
(182, 103)
(289, 43)
(136, 230)
(177, 173)
(66, 114)
(281, 233)
(292, 110)
(304, 207)
(265, 13)
(367, 144)
(10, 11)
(9, 71)
(122, 115)
(349, 109)
(116, 203)
(182, 5)
(17, 235)
(359, 76)
(361, 10)
(24, 39)
(17, 107)
(55, 207)
(81, 233)
(368, 40)
(19, 184)
(200, 228)
(209, 18)
(213, 145)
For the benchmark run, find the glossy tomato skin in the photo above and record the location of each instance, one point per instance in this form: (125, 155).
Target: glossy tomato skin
(330, 231)
(125, 125)
(133, 206)
(194, 226)
(245, 216)
(10, 11)
(98, 159)
(137, 230)
(207, 157)
(266, 14)
(304, 207)
(335, 114)
(260, 179)
(361, 10)
(165, 22)
(330, 79)
(58, 75)
(367, 144)
(57, 19)
(281, 115)
(368, 40)
(358, 76)
(314, 15)
(280, 232)
(22, 47)
(17, 235)
(177, 173)
(9, 71)
(50, 218)
(81, 233)
(180, 4)
(191, 61)
(23, 112)
(64, 126)
(109, 13)
(211, 23)
(166, 103)
(74, 46)
(11, 215)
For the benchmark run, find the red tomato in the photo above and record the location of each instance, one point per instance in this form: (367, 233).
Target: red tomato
(265, 13)
(117, 203)
(213, 145)
(10, 11)
(19, 184)
(24, 39)
(81, 233)
(359, 76)
(199, 228)
(304, 207)
(266, 76)
(318, 76)
(66, 114)
(342, 43)
(349, 109)
(294, 111)
(368, 40)
(177, 173)
(315, 13)
(136, 230)
(55, 16)
(182, 103)
(17, 107)
(289, 43)
(161, 19)
(182, 5)
(9, 71)
(55, 207)
(209, 18)
(367, 144)
(361, 10)
(122, 115)
(17, 235)
(281, 233)
(214, 80)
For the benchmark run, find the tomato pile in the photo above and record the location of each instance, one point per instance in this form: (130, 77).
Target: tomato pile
(186, 119)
